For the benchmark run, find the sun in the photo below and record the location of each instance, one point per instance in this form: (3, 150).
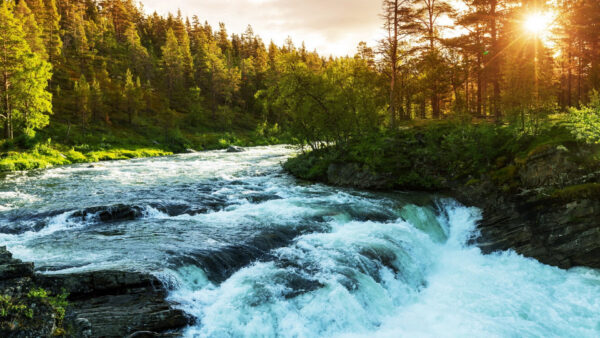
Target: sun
(538, 23)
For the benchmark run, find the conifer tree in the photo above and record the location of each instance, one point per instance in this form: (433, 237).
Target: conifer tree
(13, 52)
(33, 32)
(51, 31)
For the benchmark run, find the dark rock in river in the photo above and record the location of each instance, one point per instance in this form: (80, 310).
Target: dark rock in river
(116, 303)
(101, 304)
(235, 149)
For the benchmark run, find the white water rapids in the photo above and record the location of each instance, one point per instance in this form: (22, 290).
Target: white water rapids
(250, 252)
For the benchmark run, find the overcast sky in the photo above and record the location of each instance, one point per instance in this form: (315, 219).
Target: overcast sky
(330, 26)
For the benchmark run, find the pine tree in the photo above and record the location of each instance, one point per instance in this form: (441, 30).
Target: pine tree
(82, 92)
(173, 64)
(51, 31)
(32, 103)
(33, 32)
(13, 53)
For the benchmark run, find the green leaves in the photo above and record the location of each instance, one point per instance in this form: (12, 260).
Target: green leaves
(584, 123)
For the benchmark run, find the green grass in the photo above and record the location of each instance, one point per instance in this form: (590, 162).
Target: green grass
(61, 144)
(49, 155)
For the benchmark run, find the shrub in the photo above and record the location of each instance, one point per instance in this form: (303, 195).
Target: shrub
(584, 123)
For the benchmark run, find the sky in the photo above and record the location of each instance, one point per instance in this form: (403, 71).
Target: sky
(330, 26)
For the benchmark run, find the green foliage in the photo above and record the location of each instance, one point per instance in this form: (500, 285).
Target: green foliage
(419, 157)
(584, 123)
(19, 312)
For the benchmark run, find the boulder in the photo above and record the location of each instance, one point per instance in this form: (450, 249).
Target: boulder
(235, 149)
(116, 303)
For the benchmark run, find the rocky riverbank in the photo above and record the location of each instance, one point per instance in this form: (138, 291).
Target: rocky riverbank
(543, 202)
(91, 304)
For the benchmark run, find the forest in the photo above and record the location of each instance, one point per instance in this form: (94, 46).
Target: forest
(87, 74)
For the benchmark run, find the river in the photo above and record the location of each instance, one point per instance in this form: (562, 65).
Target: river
(250, 251)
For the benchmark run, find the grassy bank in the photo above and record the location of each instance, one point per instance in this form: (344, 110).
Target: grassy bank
(428, 156)
(61, 144)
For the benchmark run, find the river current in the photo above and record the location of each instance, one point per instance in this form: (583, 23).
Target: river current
(249, 251)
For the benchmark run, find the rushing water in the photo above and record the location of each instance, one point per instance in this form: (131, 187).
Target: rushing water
(249, 251)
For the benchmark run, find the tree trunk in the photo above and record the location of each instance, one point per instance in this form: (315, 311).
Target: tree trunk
(495, 63)
(8, 132)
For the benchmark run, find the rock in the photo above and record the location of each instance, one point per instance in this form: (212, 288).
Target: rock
(351, 174)
(551, 167)
(235, 149)
(190, 151)
(16, 269)
(117, 303)
(113, 213)
(16, 282)
(82, 328)
(555, 232)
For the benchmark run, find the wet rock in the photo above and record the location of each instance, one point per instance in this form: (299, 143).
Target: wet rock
(82, 328)
(115, 213)
(555, 232)
(101, 304)
(117, 303)
(16, 269)
(235, 149)
(190, 151)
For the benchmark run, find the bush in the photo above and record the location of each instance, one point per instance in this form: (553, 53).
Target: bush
(584, 123)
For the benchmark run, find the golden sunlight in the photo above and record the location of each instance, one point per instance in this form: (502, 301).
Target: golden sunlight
(538, 23)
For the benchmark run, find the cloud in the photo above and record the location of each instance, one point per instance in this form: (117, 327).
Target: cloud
(330, 26)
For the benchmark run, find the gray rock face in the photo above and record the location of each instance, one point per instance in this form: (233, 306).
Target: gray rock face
(235, 149)
(101, 304)
(351, 174)
(563, 231)
(116, 303)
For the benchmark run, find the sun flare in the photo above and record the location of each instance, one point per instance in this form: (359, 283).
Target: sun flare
(539, 22)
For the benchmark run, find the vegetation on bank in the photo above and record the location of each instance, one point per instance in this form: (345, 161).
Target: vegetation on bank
(431, 155)
(56, 145)
(22, 313)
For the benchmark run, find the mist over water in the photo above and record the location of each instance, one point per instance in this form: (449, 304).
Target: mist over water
(249, 251)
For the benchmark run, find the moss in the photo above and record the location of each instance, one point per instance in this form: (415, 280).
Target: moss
(472, 182)
(505, 175)
(577, 192)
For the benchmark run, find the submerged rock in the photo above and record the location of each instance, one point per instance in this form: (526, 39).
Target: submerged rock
(235, 149)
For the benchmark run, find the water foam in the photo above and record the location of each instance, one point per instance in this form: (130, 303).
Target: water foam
(395, 280)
